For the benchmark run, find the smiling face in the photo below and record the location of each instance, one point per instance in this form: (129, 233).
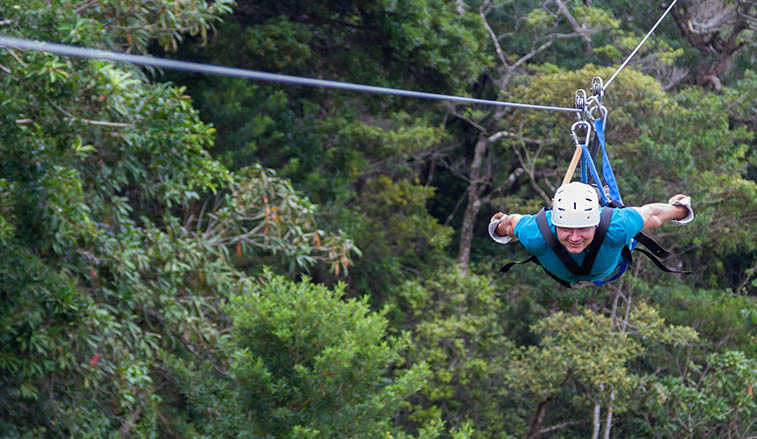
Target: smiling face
(575, 240)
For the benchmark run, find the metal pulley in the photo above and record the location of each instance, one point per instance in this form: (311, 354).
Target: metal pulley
(597, 88)
(580, 103)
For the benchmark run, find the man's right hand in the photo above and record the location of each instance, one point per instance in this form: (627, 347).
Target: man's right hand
(683, 204)
(506, 226)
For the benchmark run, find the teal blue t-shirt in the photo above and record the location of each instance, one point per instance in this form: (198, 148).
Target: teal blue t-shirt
(624, 225)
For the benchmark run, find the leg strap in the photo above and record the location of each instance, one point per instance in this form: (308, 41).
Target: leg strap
(505, 268)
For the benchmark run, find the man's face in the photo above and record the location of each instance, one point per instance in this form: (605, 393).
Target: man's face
(575, 240)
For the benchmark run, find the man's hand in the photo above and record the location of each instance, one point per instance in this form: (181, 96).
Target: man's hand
(683, 204)
(496, 228)
(505, 225)
(501, 229)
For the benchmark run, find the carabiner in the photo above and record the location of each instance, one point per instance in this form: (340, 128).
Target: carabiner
(574, 134)
(603, 111)
(593, 106)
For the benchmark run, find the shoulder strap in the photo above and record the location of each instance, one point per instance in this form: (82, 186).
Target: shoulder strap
(596, 243)
(554, 244)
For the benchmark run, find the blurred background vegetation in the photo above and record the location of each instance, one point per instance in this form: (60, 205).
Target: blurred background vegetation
(189, 256)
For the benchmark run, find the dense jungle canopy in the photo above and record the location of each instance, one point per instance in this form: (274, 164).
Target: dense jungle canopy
(196, 256)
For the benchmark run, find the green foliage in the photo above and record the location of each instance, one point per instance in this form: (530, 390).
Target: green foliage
(583, 360)
(116, 226)
(571, 349)
(400, 238)
(456, 328)
(133, 227)
(721, 316)
(307, 363)
(715, 400)
(142, 22)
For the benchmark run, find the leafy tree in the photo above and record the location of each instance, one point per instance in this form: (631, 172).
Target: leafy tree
(456, 326)
(110, 261)
(582, 360)
(303, 362)
(400, 239)
(715, 399)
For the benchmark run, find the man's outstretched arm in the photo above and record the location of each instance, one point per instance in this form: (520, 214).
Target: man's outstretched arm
(657, 214)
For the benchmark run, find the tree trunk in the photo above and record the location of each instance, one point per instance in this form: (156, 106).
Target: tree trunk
(534, 428)
(475, 187)
(608, 420)
(595, 431)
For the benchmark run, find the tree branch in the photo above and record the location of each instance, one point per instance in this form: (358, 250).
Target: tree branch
(482, 11)
(560, 426)
(460, 7)
(126, 426)
(578, 28)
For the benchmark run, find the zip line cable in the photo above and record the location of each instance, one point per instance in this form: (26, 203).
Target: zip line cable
(169, 64)
(612, 78)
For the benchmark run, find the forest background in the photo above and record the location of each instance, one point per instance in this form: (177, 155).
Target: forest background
(192, 256)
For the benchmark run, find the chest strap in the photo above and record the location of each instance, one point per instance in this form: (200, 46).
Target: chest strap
(564, 255)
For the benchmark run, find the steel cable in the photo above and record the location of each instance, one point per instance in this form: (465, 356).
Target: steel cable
(169, 64)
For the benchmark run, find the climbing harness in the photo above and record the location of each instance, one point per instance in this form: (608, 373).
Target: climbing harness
(586, 147)
(591, 252)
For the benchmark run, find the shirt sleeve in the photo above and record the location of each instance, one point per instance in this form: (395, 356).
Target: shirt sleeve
(626, 223)
(527, 232)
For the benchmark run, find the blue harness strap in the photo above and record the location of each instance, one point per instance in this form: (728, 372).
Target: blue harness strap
(609, 179)
(588, 167)
(587, 162)
(607, 173)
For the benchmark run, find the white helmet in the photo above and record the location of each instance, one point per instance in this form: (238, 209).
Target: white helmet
(575, 205)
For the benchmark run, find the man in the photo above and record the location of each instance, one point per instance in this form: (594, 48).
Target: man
(575, 221)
